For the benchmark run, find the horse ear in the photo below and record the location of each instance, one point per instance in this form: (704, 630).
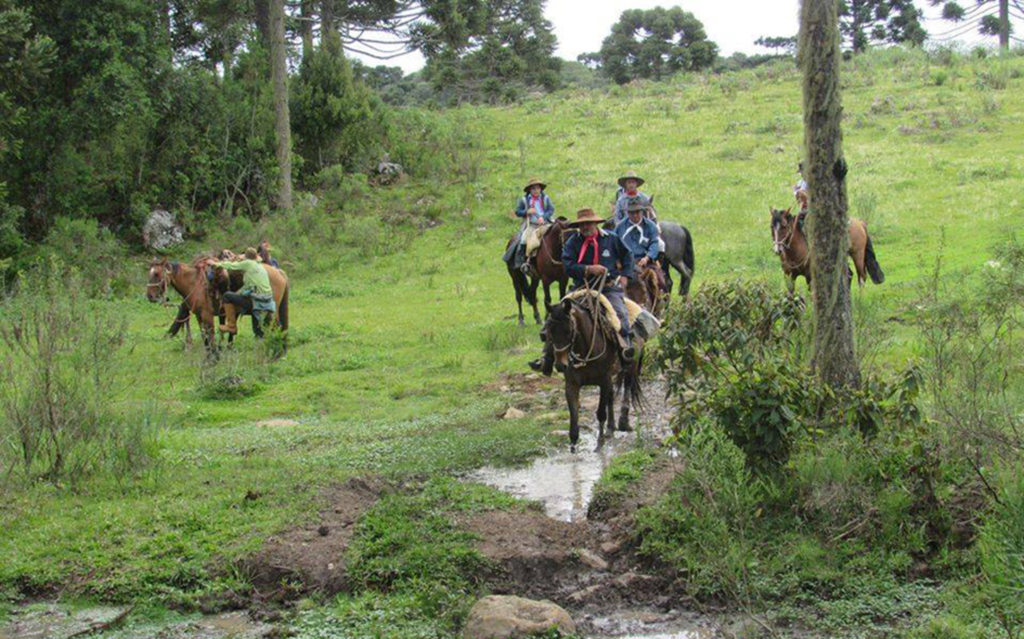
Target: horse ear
(567, 305)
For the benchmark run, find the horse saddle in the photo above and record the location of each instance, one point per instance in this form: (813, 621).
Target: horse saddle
(632, 308)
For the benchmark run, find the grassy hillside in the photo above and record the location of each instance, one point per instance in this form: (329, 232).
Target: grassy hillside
(395, 354)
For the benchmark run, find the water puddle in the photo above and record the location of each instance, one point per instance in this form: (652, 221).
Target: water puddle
(54, 621)
(645, 624)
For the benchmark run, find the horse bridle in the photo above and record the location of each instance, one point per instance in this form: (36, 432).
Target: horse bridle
(781, 246)
(164, 282)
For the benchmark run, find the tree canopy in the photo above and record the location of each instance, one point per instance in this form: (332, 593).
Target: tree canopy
(866, 22)
(653, 44)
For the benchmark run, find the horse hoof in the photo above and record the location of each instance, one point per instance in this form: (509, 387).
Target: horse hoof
(572, 448)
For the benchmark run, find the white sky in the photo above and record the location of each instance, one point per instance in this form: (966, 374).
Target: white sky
(580, 26)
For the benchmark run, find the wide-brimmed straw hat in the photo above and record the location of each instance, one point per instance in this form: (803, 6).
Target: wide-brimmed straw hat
(534, 182)
(631, 175)
(585, 216)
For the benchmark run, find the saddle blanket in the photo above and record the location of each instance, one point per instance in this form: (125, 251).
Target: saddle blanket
(632, 308)
(534, 236)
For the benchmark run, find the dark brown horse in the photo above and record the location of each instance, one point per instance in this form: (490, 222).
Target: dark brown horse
(524, 287)
(790, 244)
(549, 260)
(190, 282)
(586, 351)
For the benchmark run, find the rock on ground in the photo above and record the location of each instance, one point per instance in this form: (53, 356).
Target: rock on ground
(509, 617)
(161, 230)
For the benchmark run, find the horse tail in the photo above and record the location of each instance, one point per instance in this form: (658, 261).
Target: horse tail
(688, 257)
(282, 313)
(629, 383)
(874, 269)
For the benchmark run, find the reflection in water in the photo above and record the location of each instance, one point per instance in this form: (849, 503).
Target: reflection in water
(564, 481)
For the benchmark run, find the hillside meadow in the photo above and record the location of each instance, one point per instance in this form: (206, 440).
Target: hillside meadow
(403, 331)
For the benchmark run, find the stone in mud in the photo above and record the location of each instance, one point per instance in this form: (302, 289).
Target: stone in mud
(582, 596)
(509, 617)
(513, 413)
(588, 558)
(611, 547)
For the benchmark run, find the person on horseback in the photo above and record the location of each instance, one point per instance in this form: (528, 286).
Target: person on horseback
(803, 196)
(629, 185)
(264, 250)
(640, 234)
(537, 210)
(256, 296)
(594, 257)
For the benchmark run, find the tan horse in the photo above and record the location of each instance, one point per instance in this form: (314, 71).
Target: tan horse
(190, 282)
(232, 281)
(790, 244)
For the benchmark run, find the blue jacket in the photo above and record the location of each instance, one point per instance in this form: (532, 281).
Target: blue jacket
(622, 204)
(642, 241)
(612, 254)
(524, 205)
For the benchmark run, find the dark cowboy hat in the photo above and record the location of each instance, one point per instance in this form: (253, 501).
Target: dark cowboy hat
(638, 204)
(534, 182)
(630, 175)
(584, 216)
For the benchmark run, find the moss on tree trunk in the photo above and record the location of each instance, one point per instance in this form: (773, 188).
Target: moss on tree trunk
(828, 222)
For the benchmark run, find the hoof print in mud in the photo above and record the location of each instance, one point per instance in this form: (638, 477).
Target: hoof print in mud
(510, 617)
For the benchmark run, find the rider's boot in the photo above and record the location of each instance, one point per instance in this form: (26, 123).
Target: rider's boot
(519, 261)
(626, 348)
(230, 324)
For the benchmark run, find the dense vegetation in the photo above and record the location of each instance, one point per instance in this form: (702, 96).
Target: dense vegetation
(896, 511)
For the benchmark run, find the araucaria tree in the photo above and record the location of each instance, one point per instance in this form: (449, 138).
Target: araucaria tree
(987, 17)
(866, 22)
(828, 222)
(654, 44)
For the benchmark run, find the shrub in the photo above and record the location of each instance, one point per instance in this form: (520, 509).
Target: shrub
(1001, 541)
(61, 367)
(92, 251)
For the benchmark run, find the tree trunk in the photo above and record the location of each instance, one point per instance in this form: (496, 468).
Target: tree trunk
(261, 9)
(306, 28)
(1004, 24)
(834, 357)
(329, 35)
(282, 119)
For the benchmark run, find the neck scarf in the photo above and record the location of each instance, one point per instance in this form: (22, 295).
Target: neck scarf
(589, 241)
(639, 226)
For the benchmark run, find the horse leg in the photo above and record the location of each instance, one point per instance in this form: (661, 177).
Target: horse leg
(519, 297)
(572, 398)
(602, 417)
(608, 398)
(791, 283)
(547, 294)
(533, 299)
(625, 382)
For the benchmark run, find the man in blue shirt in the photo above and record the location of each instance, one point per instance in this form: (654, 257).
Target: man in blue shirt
(640, 235)
(629, 185)
(593, 254)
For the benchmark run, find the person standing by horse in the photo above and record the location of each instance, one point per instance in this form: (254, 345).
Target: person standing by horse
(640, 235)
(264, 252)
(256, 296)
(537, 210)
(802, 193)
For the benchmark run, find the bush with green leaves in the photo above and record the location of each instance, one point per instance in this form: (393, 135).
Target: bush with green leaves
(62, 368)
(1001, 541)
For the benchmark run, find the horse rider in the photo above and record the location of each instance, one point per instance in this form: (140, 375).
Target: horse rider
(264, 251)
(256, 297)
(640, 235)
(802, 194)
(629, 190)
(537, 210)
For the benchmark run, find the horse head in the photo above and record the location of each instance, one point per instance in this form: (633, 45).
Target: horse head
(782, 229)
(159, 277)
(561, 332)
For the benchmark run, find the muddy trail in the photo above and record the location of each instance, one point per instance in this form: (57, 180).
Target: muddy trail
(562, 551)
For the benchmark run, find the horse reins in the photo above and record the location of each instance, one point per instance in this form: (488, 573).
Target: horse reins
(785, 245)
(575, 360)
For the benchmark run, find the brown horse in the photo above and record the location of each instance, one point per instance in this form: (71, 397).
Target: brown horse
(586, 351)
(549, 260)
(190, 282)
(647, 289)
(225, 281)
(790, 244)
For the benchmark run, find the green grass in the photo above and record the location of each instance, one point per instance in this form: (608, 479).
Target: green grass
(621, 475)
(390, 354)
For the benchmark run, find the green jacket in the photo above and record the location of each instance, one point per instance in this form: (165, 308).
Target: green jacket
(254, 277)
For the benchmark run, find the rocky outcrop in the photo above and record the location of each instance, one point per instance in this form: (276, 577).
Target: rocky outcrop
(161, 231)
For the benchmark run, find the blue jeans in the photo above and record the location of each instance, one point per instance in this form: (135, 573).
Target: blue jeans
(617, 297)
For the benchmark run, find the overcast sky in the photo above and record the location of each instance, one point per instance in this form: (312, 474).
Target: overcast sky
(581, 25)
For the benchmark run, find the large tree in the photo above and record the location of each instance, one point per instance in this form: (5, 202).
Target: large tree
(282, 117)
(509, 48)
(828, 222)
(867, 22)
(987, 17)
(654, 44)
